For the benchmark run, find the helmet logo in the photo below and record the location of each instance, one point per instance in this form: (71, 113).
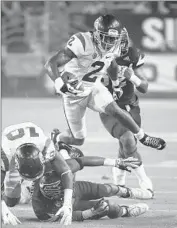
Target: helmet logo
(113, 32)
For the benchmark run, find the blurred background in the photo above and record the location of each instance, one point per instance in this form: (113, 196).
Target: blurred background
(33, 30)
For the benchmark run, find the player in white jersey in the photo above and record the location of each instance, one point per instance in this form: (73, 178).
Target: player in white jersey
(27, 147)
(77, 71)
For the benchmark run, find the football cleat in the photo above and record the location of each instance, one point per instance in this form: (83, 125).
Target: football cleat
(138, 193)
(100, 209)
(135, 209)
(54, 135)
(153, 142)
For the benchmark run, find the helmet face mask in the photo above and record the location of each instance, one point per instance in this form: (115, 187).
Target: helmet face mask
(29, 162)
(107, 33)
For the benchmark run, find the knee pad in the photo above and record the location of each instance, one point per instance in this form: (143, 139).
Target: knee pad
(115, 210)
(11, 202)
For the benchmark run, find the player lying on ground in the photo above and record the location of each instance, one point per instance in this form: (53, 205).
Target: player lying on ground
(27, 147)
(47, 195)
(82, 64)
(128, 78)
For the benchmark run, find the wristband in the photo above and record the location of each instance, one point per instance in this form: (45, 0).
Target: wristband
(58, 84)
(68, 194)
(136, 81)
(109, 162)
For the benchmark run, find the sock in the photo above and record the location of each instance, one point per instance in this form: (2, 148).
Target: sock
(124, 211)
(140, 134)
(118, 176)
(144, 180)
(58, 137)
(87, 214)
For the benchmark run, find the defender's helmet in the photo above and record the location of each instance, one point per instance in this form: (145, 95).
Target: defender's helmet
(51, 187)
(107, 32)
(29, 161)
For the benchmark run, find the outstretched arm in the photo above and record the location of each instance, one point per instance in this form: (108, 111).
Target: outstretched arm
(100, 161)
(58, 60)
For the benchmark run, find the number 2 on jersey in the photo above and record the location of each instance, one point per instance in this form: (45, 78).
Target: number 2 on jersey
(19, 133)
(89, 77)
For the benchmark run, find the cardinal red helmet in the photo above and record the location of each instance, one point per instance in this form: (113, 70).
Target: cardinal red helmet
(107, 32)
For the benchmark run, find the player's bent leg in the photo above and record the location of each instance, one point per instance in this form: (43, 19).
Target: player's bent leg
(74, 111)
(114, 110)
(111, 209)
(96, 209)
(66, 137)
(85, 190)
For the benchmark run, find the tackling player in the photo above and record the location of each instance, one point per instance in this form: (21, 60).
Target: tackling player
(27, 147)
(130, 76)
(47, 195)
(77, 70)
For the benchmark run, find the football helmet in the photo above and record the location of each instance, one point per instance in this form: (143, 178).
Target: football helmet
(29, 161)
(107, 32)
(51, 187)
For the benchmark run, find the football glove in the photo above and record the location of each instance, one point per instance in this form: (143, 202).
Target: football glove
(65, 214)
(71, 87)
(8, 218)
(117, 92)
(127, 164)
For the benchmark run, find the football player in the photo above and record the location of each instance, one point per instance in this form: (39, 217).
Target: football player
(130, 76)
(77, 70)
(27, 147)
(47, 196)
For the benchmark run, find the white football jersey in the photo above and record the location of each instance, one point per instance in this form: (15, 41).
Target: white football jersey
(90, 64)
(16, 135)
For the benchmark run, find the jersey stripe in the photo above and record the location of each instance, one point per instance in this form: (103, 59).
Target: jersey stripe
(4, 161)
(81, 38)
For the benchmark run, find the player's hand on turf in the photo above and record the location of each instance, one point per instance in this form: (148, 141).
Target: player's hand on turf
(65, 213)
(8, 218)
(128, 72)
(127, 164)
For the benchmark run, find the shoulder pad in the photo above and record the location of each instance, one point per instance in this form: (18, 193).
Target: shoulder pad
(77, 44)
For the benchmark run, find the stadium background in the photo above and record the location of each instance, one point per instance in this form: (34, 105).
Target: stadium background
(32, 31)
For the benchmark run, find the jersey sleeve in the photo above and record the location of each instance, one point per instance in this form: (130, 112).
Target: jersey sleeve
(77, 44)
(49, 151)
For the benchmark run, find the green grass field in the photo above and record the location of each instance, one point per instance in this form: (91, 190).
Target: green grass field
(159, 118)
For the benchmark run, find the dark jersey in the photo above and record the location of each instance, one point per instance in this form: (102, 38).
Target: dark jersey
(44, 206)
(135, 57)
